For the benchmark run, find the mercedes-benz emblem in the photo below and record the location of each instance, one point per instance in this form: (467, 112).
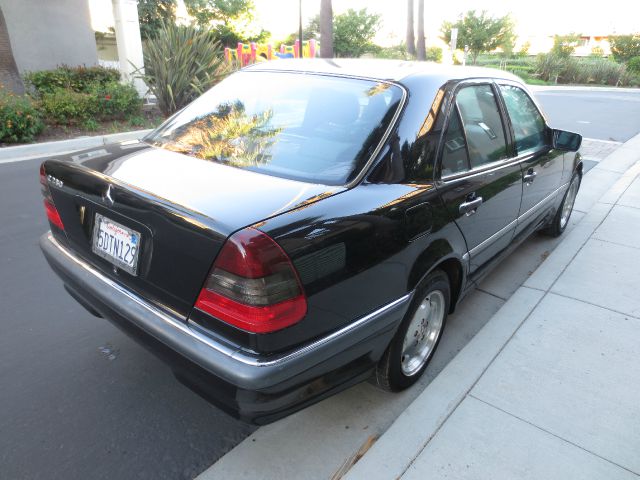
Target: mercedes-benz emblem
(106, 196)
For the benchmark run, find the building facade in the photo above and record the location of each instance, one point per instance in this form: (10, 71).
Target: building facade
(47, 33)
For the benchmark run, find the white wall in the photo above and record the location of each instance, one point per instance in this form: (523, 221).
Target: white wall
(48, 33)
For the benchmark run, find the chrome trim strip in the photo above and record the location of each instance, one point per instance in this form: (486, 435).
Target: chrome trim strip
(538, 205)
(324, 340)
(482, 169)
(481, 246)
(492, 238)
(178, 323)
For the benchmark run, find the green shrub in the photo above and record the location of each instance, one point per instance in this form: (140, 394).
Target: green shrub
(633, 65)
(399, 52)
(394, 52)
(19, 119)
(549, 67)
(602, 71)
(117, 100)
(66, 107)
(599, 71)
(84, 78)
(434, 54)
(90, 125)
(103, 102)
(136, 121)
(493, 59)
(181, 62)
(631, 79)
(78, 79)
(520, 68)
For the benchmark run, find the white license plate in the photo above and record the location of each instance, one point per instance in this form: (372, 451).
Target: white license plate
(116, 243)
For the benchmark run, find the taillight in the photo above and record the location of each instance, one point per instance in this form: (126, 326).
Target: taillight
(49, 206)
(253, 285)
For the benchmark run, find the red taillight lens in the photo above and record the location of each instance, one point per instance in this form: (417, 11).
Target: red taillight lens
(52, 214)
(49, 206)
(253, 285)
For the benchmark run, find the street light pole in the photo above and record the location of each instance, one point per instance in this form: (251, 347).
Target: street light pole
(300, 50)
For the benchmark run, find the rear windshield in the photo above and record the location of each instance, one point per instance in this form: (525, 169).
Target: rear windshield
(307, 127)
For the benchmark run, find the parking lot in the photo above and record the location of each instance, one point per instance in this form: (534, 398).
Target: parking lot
(81, 400)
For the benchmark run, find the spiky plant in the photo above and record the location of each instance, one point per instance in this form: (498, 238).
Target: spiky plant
(181, 62)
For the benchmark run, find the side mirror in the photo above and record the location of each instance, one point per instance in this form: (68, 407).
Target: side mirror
(569, 141)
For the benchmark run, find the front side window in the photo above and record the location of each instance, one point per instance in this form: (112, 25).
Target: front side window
(307, 127)
(528, 125)
(482, 124)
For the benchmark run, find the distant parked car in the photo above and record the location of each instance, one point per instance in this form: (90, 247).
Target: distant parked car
(306, 225)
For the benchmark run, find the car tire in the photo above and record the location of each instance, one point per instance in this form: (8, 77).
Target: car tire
(418, 336)
(562, 216)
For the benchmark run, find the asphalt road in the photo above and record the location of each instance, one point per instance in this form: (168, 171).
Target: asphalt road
(78, 399)
(602, 115)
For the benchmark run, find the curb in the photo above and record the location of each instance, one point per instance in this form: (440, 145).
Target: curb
(397, 448)
(24, 152)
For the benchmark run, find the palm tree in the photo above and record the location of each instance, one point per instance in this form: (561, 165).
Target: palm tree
(9, 76)
(420, 40)
(326, 29)
(411, 41)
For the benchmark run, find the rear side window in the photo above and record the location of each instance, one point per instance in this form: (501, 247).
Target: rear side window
(454, 153)
(482, 124)
(528, 125)
(307, 127)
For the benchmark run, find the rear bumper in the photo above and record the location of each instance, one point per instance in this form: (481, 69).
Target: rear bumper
(255, 388)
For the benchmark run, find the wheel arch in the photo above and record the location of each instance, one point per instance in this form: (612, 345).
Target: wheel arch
(439, 255)
(578, 166)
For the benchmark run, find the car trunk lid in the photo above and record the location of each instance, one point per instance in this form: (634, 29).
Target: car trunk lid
(182, 207)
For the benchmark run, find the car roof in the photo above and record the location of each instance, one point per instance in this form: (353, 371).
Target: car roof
(390, 70)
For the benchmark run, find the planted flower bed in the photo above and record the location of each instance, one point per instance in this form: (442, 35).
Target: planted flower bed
(68, 102)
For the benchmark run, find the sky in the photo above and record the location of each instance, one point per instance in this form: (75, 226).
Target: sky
(533, 17)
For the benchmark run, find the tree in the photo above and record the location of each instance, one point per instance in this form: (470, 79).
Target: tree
(153, 13)
(411, 41)
(326, 29)
(565, 45)
(481, 32)
(420, 47)
(230, 21)
(9, 75)
(310, 31)
(524, 49)
(625, 47)
(354, 32)
(207, 12)
(230, 34)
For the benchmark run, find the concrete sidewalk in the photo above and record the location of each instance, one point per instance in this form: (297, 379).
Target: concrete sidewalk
(550, 387)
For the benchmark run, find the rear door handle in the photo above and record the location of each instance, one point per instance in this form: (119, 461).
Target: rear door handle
(470, 207)
(530, 176)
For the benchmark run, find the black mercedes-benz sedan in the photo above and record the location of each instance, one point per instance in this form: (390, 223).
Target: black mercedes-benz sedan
(308, 224)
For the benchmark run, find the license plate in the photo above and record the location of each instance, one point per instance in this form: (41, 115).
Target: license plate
(116, 243)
